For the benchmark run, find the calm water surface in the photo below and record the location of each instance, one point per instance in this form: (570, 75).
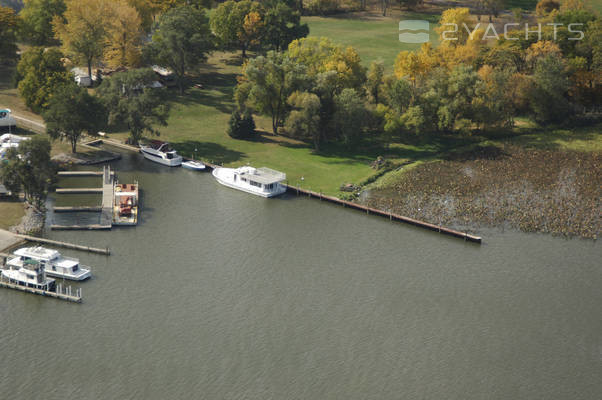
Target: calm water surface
(217, 294)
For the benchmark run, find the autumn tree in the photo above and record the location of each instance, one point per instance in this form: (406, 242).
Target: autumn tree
(304, 119)
(320, 55)
(71, 112)
(124, 36)
(181, 41)
(238, 24)
(8, 27)
(37, 16)
(454, 19)
(374, 80)
(39, 73)
(83, 30)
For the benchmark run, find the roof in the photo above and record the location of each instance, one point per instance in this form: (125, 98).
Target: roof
(262, 175)
(38, 252)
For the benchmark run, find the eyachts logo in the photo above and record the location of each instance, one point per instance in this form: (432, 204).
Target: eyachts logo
(413, 31)
(417, 31)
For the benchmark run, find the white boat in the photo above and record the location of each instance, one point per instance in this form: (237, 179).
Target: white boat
(161, 153)
(193, 165)
(263, 182)
(52, 261)
(31, 274)
(7, 121)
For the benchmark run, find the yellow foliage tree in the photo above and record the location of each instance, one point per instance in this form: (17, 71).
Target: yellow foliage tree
(455, 21)
(124, 36)
(541, 49)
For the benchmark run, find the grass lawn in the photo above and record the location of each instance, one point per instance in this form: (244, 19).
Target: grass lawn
(11, 213)
(374, 37)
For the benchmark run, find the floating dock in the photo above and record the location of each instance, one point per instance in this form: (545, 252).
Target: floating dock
(106, 209)
(60, 292)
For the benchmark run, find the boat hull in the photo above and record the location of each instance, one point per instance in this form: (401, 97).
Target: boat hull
(217, 172)
(193, 167)
(80, 277)
(174, 162)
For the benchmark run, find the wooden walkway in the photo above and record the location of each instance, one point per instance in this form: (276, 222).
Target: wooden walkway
(64, 244)
(77, 209)
(79, 190)
(82, 173)
(106, 215)
(387, 214)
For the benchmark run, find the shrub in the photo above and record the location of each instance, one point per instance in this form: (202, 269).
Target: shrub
(241, 126)
(322, 7)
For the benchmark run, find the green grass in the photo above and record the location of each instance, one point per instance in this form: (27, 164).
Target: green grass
(374, 38)
(596, 5)
(11, 213)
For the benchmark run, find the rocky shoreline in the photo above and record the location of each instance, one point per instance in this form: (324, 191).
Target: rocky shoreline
(31, 223)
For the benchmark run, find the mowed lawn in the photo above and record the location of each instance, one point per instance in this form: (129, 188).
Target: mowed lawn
(374, 38)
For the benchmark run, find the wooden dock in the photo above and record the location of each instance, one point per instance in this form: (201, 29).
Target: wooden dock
(61, 293)
(106, 209)
(387, 214)
(79, 190)
(81, 173)
(77, 209)
(64, 244)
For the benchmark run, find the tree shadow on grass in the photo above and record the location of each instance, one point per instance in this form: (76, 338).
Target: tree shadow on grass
(212, 152)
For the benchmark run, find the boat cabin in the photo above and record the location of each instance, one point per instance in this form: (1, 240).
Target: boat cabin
(263, 179)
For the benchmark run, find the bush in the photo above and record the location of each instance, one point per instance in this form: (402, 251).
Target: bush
(322, 7)
(241, 126)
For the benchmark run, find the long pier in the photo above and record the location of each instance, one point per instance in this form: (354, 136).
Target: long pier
(387, 214)
(64, 244)
(82, 173)
(60, 292)
(77, 209)
(78, 190)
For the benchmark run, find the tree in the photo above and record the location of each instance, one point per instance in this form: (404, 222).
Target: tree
(124, 36)
(458, 18)
(282, 26)
(39, 72)
(320, 55)
(181, 41)
(37, 16)
(83, 30)
(30, 168)
(132, 103)
(272, 79)
(304, 120)
(8, 26)
(374, 80)
(232, 26)
(409, 4)
(350, 116)
(548, 99)
(241, 126)
(71, 112)
(544, 7)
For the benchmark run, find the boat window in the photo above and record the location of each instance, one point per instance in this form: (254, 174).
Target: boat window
(54, 267)
(169, 156)
(75, 268)
(270, 186)
(255, 184)
(243, 179)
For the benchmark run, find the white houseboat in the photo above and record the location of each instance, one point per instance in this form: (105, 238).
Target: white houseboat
(51, 260)
(161, 153)
(30, 273)
(263, 182)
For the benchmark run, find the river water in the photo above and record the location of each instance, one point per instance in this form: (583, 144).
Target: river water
(218, 294)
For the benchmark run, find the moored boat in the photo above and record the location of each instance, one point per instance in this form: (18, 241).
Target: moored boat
(161, 153)
(53, 263)
(125, 204)
(263, 182)
(193, 165)
(30, 273)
